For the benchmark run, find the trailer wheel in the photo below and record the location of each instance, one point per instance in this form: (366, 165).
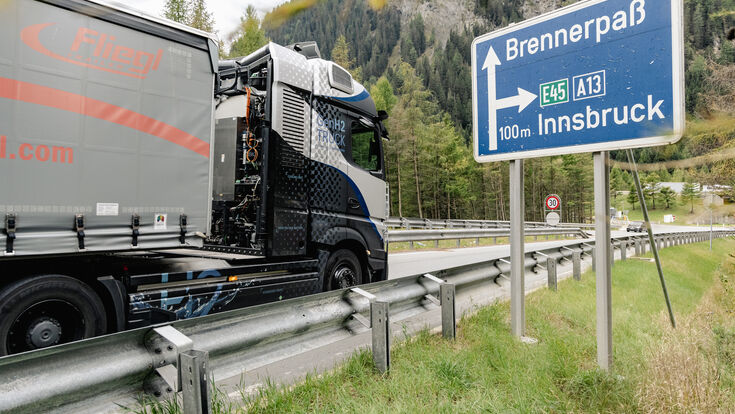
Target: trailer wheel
(343, 270)
(48, 310)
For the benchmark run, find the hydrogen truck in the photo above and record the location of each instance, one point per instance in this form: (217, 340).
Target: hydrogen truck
(143, 180)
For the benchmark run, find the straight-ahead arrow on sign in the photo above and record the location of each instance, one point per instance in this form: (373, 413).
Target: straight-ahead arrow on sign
(522, 100)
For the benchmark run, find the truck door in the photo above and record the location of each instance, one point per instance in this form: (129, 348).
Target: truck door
(366, 192)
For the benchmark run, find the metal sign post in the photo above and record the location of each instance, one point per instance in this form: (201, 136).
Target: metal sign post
(603, 268)
(517, 251)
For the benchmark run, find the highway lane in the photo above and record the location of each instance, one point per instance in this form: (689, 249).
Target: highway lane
(429, 260)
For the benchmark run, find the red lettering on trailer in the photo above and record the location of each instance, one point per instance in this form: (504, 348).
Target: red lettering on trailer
(27, 152)
(67, 101)
(101, 51)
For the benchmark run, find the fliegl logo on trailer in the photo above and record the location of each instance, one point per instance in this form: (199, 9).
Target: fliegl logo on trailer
(95, 50)
(597, 75)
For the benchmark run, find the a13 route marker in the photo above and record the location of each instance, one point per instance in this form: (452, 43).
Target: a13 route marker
(594, 76)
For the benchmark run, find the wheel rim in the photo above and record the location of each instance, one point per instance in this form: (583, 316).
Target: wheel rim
(344, 275)
(45, 324)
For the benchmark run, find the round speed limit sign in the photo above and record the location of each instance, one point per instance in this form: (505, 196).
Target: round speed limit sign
(553, 202)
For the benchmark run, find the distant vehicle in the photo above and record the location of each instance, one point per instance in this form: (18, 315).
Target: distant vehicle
(636, 226)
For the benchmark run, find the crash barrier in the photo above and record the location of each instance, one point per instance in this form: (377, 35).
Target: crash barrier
(419, 223)
(412, 236)
(97, 374)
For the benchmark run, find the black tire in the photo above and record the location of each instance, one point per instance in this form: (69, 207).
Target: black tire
(343, 270)
(48, 310)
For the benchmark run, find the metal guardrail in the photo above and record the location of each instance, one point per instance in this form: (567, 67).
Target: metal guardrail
(95, 375)
(395, 236)
(418, 223)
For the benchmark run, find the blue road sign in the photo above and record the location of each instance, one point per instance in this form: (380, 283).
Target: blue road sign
(594, 76)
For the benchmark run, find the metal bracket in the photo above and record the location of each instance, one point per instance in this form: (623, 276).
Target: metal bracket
(564, 257)
(502, 275)
(592, 249)
(168, 347)
(165, 343)
(356, 315)
(10, 232)
(79, 228)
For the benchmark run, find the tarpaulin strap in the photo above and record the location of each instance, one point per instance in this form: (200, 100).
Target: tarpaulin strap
(182, 224)
(135, 225)
(79, 228)
(10, 232)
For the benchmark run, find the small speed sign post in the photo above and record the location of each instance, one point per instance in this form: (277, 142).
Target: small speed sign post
(594, 76)
(552, 209)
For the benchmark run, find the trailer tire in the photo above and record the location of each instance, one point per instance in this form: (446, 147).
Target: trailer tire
(343, 270)
(48, 310)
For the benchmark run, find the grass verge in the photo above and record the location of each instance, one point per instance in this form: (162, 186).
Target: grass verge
(656, 368)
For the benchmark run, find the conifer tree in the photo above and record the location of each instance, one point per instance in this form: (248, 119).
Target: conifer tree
(201, 18)
(177, 10)
(250, 36)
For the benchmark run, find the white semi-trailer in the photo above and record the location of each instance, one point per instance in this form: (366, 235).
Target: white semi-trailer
(142, 180)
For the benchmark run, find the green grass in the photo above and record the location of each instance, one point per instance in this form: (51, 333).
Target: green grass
(487, 370)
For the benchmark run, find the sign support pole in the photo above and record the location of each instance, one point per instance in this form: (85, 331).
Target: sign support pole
(603, 268)
(517, 251)
(651, 240)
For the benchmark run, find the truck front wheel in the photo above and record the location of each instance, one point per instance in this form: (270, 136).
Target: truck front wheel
(47, 310)
(343, 270)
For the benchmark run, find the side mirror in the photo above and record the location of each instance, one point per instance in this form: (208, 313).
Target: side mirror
(382, 115)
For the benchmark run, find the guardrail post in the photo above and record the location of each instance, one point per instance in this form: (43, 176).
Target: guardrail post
(551, 273)
(380, 321)
(193, 375)
(379, 324)
(449, 325)
(623, 250)
(577, 265)
(644, 243)
(446, 301)
(637, 246)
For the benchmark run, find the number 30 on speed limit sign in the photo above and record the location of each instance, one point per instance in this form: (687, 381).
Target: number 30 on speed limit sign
(553, 202)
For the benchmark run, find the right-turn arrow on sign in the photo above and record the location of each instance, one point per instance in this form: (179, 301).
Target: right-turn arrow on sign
(594, 76)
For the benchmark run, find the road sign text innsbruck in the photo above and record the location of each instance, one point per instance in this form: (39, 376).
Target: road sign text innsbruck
(594, 76)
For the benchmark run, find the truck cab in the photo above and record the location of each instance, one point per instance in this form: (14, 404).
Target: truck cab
(307, 177)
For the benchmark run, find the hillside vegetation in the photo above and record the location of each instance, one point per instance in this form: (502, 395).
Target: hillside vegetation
(424, 68)
(414, 57)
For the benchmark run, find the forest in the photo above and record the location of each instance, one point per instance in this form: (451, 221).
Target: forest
(422, 78)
